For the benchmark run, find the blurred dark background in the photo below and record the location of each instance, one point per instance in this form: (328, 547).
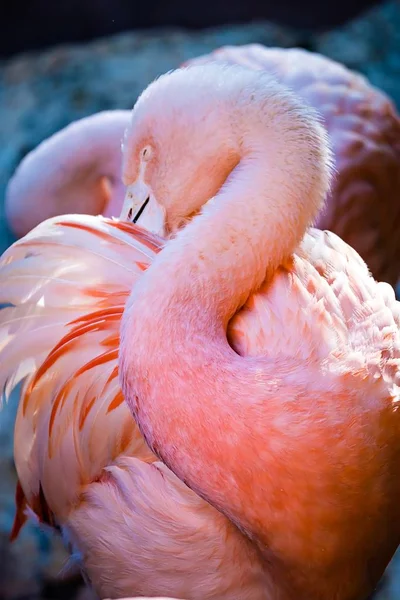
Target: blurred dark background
(33, 24)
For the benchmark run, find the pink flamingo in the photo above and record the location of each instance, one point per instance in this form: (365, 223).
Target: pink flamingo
(284, 431)
(363, 124)
(320, 337)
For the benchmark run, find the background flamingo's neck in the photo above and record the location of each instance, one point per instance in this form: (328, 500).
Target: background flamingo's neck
(77, 170)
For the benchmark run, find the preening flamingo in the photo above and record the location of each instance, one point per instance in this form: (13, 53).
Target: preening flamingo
(81, 462)
(362, 208)
(291, 430)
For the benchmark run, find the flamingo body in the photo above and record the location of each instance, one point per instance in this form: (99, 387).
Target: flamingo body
(294, 425)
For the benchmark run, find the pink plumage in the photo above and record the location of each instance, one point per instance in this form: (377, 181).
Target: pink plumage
(76, 170)
(363, 207)
(307, 326)
(81, 460)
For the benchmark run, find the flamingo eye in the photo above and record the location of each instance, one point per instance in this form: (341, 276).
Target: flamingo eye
(146, 153)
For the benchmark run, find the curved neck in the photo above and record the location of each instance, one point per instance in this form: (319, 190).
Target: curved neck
(195, 400)
(256, 220)
(77, 170)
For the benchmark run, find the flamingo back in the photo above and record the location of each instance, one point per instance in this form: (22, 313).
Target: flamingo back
(323, 307)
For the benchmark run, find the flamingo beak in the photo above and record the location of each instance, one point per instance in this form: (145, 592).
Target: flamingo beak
(142, 208)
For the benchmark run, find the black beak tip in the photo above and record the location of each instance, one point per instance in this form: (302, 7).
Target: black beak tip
(141, 209)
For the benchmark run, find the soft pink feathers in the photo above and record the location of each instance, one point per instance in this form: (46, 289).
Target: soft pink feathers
(286, 441)
(364, 128)
(79, 455)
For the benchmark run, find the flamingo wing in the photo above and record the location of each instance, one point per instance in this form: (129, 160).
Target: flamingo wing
(63, 288)
(82, 463)
(324, 306)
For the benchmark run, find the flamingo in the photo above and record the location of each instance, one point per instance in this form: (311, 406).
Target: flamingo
(362, 207)
(83, 465)
(290, 431)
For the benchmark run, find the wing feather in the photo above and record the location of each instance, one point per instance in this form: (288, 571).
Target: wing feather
(63, 288)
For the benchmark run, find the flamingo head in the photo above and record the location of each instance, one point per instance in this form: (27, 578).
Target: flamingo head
(181, 145)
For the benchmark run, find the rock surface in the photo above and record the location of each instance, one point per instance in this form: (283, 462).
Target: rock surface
(41, 93)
